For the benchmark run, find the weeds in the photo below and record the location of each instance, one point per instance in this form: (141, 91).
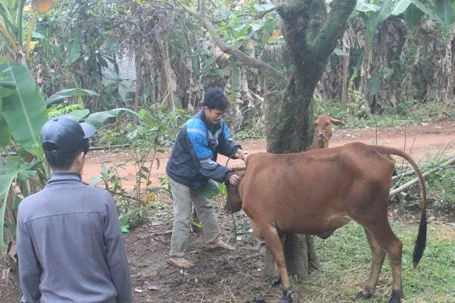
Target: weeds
(156, 131)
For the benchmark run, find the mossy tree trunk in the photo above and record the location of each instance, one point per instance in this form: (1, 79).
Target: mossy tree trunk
(311, 34)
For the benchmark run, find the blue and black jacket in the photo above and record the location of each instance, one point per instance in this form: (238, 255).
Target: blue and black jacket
(193, 157)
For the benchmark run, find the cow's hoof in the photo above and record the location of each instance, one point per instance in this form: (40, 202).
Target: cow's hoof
(259, 299)
(364, 294)
(395, 298)
(286, 297)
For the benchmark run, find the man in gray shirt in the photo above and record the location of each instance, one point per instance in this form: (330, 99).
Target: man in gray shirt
(70, 247)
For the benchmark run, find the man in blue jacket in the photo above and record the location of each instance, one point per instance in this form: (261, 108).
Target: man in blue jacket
(190, 167)
(70, 247)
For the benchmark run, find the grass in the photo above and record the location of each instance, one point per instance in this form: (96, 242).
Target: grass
(345, 264)
(408, 114)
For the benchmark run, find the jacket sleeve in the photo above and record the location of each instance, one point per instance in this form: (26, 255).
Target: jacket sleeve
(227, 146)
(29, 267)
(208, 167)
(115, 253)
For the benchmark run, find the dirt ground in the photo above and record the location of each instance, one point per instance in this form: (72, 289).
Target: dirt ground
(236, 276)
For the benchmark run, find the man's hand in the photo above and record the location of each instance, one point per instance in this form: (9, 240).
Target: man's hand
(240, 155)
(234, 179)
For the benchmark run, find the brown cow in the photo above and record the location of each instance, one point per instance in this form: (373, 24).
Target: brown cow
(322, 135)
(323, 131)
(319, 191)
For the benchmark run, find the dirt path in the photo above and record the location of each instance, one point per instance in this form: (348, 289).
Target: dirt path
(423, 142)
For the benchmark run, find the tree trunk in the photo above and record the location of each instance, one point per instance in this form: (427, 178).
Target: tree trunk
(311, 35)
(167, 70)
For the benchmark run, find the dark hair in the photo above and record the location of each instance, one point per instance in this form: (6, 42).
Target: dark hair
(63, 161)
(214, 98)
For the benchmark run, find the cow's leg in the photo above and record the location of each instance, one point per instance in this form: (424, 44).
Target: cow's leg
(386, 239)
(273, 241)
(283, 242)
(377, 259)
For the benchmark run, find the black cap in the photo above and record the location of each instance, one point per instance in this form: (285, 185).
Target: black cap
(63, 134)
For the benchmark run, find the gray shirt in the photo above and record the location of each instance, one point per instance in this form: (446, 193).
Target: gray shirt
(70, 247)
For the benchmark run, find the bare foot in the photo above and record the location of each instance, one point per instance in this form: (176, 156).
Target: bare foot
(180, 262)
(222, 245)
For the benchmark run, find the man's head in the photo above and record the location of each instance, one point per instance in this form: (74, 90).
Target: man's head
(65, 143)
(215, 104)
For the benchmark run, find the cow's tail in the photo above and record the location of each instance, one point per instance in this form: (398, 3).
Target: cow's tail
(422, 234)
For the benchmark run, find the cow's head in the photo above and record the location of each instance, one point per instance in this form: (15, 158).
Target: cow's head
(233, 200)
(323, 131)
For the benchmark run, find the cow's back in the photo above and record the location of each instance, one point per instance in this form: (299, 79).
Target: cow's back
(313, 191)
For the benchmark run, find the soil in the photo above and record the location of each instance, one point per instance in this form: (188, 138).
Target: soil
(220, 276)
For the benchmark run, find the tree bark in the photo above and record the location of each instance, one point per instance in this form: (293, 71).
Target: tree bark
(311, 35)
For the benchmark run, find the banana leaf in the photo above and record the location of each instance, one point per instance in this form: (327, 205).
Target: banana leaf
(24, 110)
(5, 183)
(10, 172)
(5, 134)
(60, 96)
(97, 119)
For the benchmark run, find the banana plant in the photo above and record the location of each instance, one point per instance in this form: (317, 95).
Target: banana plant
(11, 25)
(376, 13)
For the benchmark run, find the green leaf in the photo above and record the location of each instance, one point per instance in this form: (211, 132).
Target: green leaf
(340, 52)
(376, 81)
(445, 13)
(412, 17)
(376, 21)
(60, 96)
(79, 114)
(6, 84)
(5, 133)
(24, 110)
(401, 6)
(5, 183)
(37, 35)
(75, 48)
(97, 119)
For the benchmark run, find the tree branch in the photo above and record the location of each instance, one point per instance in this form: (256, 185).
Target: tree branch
(425, 176)
(261, 15)
(332, 29)
(229, 49)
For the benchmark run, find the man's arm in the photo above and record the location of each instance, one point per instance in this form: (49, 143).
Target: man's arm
(115, 252)
(29, 267)
(228, 147)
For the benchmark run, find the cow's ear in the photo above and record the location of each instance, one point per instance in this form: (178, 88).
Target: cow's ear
(316, 120)
(336, 121)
